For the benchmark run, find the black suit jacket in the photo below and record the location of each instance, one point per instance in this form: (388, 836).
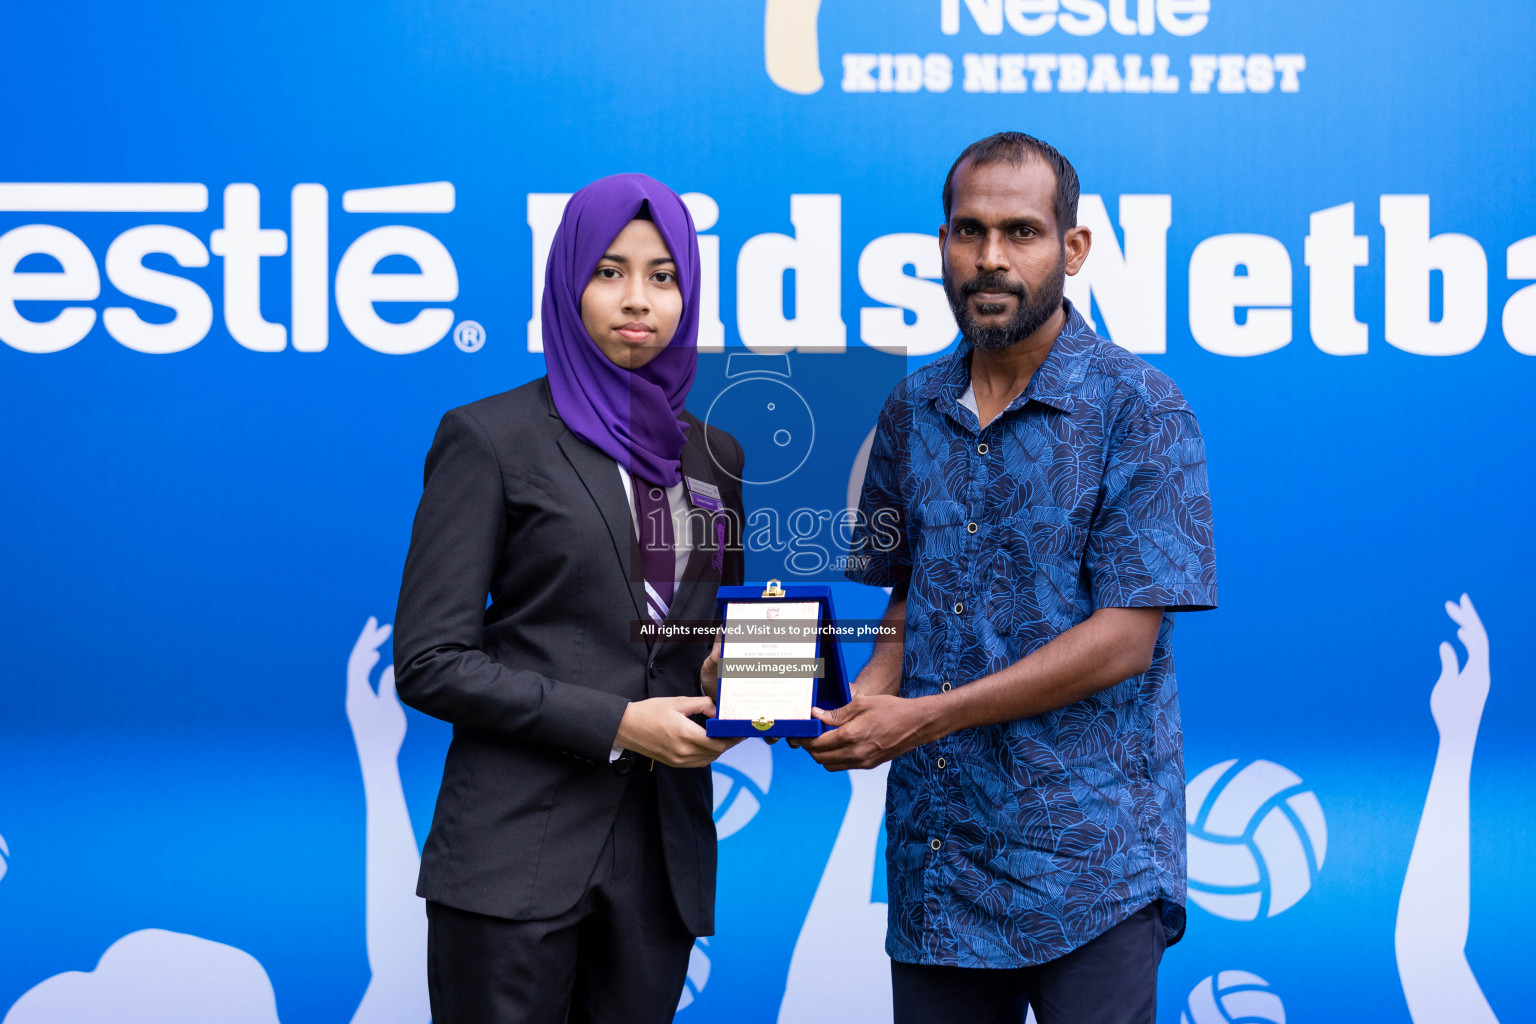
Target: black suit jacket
(517, 507)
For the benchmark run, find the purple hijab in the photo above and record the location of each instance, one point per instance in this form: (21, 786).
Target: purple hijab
(632, 415)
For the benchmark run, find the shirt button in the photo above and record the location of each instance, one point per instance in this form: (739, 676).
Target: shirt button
(945, 688)
(940, 762)
(935, 843)
(959, 607)
(970, 527)
(981, 449)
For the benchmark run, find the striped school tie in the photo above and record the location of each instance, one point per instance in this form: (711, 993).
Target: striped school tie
(657, 558)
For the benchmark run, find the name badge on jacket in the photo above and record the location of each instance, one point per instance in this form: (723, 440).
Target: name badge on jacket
(707, 496)
(703, 495)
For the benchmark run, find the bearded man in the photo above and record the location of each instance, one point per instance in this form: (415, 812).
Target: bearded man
(1053, 495)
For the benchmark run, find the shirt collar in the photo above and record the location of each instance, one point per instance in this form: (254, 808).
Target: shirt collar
(1053, 384)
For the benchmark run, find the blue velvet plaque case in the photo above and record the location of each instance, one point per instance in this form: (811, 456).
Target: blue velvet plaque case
(831, 689)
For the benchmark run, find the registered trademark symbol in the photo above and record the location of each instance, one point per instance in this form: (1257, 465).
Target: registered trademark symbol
(469, 336)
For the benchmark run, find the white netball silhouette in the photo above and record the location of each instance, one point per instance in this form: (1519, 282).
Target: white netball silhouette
(741, 777)
(1233, 997)
(1256, 839)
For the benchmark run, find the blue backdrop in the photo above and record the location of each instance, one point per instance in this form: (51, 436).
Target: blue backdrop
(208, 490)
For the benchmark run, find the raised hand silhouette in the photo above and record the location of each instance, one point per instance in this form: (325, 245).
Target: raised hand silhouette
(397, 918)
(1458, 697)
(839, 970)
(1435, 907)
(377, 719)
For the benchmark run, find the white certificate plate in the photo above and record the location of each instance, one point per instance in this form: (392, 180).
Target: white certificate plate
(753, 697)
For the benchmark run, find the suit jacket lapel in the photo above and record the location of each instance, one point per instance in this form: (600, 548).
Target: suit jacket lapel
(601, 478)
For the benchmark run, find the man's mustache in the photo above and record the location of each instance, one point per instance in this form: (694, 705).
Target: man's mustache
(990, 283)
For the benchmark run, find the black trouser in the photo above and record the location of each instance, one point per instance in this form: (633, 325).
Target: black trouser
(1109, 980)
(618, 957)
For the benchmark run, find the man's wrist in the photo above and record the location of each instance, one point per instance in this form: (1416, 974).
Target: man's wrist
(871, 682)
(942, 713)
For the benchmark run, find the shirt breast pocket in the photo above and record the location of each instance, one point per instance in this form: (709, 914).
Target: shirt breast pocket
(1040, 586)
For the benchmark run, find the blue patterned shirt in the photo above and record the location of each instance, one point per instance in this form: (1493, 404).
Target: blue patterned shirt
(1014, 844)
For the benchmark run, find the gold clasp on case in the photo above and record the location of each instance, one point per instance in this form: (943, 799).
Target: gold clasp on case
(762, 724)
(773, 590)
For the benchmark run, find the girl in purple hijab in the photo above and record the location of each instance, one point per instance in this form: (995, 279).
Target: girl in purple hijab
(623, 391)
(571, 859)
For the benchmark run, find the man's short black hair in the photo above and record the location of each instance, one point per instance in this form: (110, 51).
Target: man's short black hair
(1015, 148)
